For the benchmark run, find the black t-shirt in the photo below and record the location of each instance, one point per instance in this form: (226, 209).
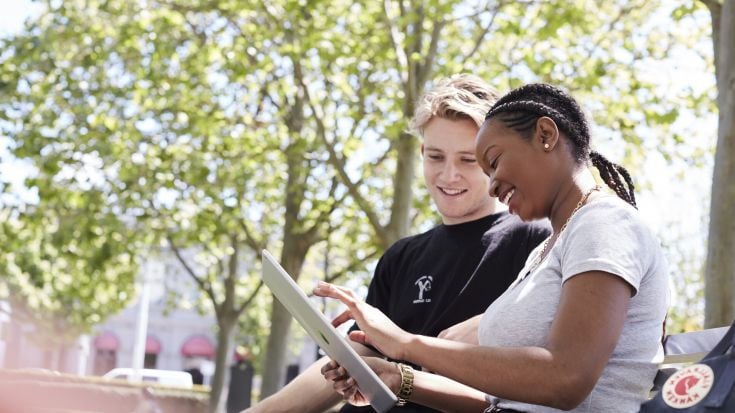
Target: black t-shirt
(432, 281)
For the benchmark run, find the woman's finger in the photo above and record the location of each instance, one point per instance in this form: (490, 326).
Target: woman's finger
(348, 292)
(342, 318)
(323, 289)
(359, 336)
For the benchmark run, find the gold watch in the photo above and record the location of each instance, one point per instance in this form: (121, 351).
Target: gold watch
(406, 384)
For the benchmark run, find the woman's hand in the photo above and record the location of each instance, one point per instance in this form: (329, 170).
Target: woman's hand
(347, 387)
(377, 329)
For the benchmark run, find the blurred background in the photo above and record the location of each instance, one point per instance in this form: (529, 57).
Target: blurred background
(150, 149)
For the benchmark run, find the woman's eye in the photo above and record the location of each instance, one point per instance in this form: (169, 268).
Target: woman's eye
(469, 160)
(435, 157)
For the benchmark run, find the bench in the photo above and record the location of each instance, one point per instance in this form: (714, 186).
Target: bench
(686, 348)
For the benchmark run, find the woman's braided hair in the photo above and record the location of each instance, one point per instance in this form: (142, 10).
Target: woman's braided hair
(520, 108)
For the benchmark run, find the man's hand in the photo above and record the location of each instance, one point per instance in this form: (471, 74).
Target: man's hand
(465, 332)
(346, 386)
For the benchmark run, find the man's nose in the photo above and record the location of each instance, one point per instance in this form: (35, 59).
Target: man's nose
(450, 171)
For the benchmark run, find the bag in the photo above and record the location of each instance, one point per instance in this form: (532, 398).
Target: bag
(705, 387)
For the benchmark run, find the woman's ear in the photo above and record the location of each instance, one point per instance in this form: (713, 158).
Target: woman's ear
(546, 134)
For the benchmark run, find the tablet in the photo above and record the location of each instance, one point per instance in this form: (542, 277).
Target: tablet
(326, 336)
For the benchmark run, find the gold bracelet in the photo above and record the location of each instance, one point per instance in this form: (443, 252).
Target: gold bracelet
(406, 384)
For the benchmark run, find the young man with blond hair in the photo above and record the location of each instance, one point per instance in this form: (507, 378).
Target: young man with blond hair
(438, 282)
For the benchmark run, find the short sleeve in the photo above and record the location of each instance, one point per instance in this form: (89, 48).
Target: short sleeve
(607, 235)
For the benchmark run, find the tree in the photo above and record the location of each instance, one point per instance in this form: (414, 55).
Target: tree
(224, 127)
(193, 148)
(585, 47)
(720, 267)
(67, 264)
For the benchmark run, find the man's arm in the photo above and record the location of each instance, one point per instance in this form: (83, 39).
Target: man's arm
(309, 392)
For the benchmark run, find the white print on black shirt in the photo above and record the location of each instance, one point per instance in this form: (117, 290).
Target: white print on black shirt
(424, 284)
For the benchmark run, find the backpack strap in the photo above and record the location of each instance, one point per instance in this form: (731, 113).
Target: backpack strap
(728, 341)
(724, 385)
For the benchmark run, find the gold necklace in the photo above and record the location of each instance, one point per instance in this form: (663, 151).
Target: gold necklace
(541, 256)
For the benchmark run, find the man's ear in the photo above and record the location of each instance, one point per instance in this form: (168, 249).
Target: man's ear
(546, 134)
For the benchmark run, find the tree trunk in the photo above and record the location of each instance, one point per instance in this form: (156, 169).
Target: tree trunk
(400, 219)
(226, 325)
(720, 268)
(275, 360)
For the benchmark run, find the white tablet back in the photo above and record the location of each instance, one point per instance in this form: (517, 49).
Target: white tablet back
(326, 336)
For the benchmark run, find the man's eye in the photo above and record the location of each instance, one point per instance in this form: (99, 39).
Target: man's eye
(494, 165)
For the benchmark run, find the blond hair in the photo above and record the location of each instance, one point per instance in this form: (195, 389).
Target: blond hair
(457, 97)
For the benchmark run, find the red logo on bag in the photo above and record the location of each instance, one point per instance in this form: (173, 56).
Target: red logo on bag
(688, 386)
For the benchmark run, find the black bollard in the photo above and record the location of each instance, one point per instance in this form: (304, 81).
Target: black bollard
(241, 386)
(292, 370)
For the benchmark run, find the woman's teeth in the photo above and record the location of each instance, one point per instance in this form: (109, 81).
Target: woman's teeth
(507, 196)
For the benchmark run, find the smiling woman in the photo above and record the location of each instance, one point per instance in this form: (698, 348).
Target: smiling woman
(580, 329)
(523, 113)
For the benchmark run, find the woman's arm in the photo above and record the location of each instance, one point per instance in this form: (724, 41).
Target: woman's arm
(429, 389)
(585, 330)
(590, 317)
(446, 395)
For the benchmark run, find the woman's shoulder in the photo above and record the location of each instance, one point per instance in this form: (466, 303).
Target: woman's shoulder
(607, 208)
(610, 214)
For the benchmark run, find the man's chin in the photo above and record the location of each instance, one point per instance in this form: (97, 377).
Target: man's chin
(456, 217)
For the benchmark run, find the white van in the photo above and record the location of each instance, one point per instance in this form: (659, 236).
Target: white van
(164, 377)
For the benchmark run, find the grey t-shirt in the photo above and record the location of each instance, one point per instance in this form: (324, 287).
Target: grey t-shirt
(604, 235)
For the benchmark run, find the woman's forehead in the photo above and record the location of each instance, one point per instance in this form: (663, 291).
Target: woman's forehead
(490, 131)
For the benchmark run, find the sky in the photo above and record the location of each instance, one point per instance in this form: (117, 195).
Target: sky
(15, 12)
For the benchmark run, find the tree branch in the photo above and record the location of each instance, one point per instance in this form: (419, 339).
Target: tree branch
(250, 239)
(203, 285)
(609, 28)
(428, 65)
(250, 299)
(311, 232)
(401, 59)
(339, 165)
(481, 37)
(355, 265)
